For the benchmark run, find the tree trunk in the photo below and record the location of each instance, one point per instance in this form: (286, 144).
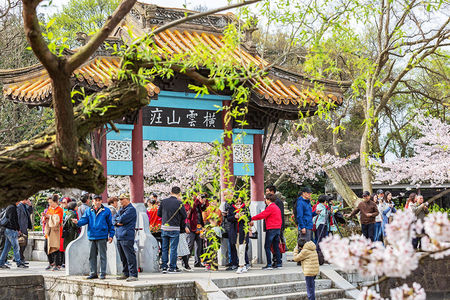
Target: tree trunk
(29, 166)
(366, 175)
(339, 183)
(66, 132)
(342, 188)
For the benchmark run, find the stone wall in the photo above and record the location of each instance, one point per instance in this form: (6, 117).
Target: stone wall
(70, 288)
(433, 275)
(22, 287)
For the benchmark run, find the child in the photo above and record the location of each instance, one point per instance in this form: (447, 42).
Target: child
(310, 266)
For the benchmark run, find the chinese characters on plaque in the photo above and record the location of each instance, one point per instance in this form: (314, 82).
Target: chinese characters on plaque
(181, 117)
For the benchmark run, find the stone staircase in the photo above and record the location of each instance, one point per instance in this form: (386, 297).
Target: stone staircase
(276, 286)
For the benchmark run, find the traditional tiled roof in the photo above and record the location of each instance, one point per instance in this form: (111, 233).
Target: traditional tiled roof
(36, 88)
(271, 87)
(279, 89)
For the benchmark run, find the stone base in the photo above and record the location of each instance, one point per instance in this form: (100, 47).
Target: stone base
(77, 288)
(22, 287)
(77, 252)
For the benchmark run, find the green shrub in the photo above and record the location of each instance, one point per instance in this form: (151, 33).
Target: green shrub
(290, 235)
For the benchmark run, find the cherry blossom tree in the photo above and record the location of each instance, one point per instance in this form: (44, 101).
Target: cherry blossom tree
(297, 160)
(172, 163)
(398, 258)
(430, 162)
(187, 164)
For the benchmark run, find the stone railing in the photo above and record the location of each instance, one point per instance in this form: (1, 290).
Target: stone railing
(35, 248)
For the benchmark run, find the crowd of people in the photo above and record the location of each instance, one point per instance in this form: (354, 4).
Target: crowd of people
(200, 225)
(196, 226)
(377, 209)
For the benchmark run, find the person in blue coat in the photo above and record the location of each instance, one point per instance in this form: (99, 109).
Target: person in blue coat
(125, 222)
(304, 217)
(100, 230)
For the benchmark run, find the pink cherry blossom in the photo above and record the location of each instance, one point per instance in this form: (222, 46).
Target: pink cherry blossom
(416, 292)
(431, 160)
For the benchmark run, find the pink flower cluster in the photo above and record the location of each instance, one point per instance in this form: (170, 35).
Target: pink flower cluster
(296, 158)
(431, 160)
(398, 258)
(416, 292)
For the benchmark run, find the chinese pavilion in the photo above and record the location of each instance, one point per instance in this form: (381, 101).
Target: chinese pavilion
(174, 114)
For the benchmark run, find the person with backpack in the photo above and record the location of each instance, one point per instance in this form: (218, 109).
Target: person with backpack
(100, 231)
(23, 216)
(172, 212)
(10, 221)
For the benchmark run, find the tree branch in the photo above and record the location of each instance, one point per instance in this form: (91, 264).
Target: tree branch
(203, 14)
(24, 162)
(97, 40)
(34, 36)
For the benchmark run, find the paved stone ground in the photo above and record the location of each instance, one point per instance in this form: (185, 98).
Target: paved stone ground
(37, 268)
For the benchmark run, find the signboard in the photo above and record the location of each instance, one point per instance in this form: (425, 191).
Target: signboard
(182, 117)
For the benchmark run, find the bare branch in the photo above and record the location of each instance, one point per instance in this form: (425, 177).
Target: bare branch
(199, 15)
(35, 39)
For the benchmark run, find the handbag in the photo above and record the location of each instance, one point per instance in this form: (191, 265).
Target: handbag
(314, 225)
(281, 247)
(22, 240)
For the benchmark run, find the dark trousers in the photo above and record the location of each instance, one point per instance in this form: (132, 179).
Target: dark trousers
(195, 240)
(22, 249)
(128, 258)
(53, 258)
(310, 287)
(2, 238)
(170, 240)
(97, 247)
(368, 230)
(321, 232)
(272, 240)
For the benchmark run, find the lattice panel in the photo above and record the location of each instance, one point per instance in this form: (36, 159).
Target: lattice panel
(118, 150)
(242, 153)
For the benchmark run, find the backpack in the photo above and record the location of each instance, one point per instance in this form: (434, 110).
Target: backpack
(3, 218)
(320, 256)
(65, 232)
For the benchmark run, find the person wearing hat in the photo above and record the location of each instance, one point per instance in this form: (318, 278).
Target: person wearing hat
(304, 216)
(125, 222)
(100, 230)
(368, 211)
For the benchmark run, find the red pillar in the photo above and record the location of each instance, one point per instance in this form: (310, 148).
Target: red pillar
(137, 155)
(257, 181)
(225, 181)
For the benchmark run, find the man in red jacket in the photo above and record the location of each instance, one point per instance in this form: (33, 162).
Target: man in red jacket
(272, 215)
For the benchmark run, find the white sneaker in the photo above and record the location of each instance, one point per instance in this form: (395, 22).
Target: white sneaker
(244, 269)
(240, 270)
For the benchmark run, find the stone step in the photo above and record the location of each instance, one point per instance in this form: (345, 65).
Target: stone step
(327, 294)
(273, 288)
(250, 279)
